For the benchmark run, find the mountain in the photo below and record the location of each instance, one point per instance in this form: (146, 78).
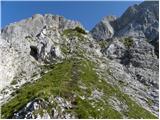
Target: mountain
(27, 38)
(104, 29)
(51, 67)
(137, 21)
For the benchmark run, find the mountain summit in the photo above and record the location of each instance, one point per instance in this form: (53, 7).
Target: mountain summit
(51, 67)
(137, 21)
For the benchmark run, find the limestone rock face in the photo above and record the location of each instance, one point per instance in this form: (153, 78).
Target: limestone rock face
(30, 42)
(141, 63)
(52, 68)
(15, 64)
(137, 21)
(104, 29)
(134, 45)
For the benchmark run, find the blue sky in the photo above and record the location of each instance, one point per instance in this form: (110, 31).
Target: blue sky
(88, 13)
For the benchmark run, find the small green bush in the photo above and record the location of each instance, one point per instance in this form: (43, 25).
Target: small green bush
(75, 30)
(103, 43)
(14, 82)
(65, 49)
(28, 37)
(80, 30)
(128, 42)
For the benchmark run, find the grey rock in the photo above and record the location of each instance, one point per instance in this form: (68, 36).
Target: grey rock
(140, 21)
(118, 105)
(30, 111)
(140, 63)
(27, 45)
(104, 30)
(28, 41)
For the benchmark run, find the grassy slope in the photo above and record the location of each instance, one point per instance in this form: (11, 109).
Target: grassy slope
(64, 80)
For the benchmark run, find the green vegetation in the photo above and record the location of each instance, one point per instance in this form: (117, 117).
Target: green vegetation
(103, 43)
(80, 30)
(38, 111)
(65, 80)
(75, 52)
(128, 42)
(150, 102)
(28, 37)
(76, 32)
(86, 110)
(65, 49)
(76, 36)
(77, 29)
(49, 84)
(134, 110)
(14, 82)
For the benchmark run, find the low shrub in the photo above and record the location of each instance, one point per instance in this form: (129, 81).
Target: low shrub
(80, 30)
(128, 42)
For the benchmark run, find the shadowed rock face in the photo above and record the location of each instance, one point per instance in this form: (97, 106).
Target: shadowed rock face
(49, 69)
(34, 52)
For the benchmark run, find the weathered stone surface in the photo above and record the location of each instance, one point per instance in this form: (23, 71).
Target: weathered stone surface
(140, 63)
(27, 43)
(140, 21)
(128, 60)
(104, 30)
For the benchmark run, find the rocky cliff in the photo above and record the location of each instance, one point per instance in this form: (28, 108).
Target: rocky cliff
(140, 21)
(51, 67)
(27, 44)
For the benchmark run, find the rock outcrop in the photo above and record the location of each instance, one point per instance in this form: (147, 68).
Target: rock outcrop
(28, 41)
(140, 21)
(53, 68)
(140, 62)
(104, 30)
(134, 44)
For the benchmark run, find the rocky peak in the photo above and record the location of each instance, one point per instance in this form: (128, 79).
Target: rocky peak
(54, 69)
(34, 40)
(104, 29)
(35, 24)
(137, 21)
(109, 18)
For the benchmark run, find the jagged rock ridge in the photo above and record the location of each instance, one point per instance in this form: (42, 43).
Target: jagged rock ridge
(137, 21)
(55, 69)
(26, 40)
